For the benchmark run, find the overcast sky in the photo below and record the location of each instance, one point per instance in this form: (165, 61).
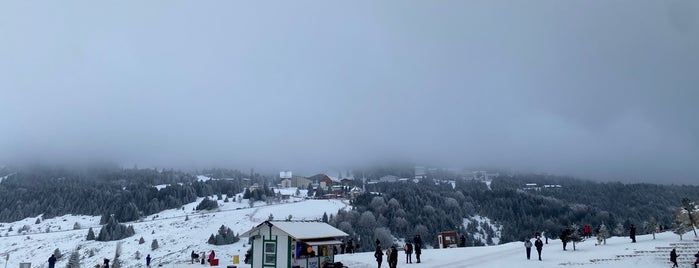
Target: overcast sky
(604, 90)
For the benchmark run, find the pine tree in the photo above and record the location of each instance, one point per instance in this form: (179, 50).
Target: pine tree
(76, 226)
(137, 255)
(575, 236)
(212, 240)
(619, 229)
(325, 217)
(38, 220)
(154, 244)
(141, 241)
(650, 226)
(603, 234)
(74, 261)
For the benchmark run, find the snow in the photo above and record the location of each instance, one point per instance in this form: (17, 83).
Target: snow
(203, 178)
(482, 235)
(618, 252)
(177, 238)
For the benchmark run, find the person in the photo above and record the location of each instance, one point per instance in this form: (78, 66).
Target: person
(418, 241)
(212, 256)
(350, 246)
(342, 248)
(194, 256)
(539, 245)
(696, 261)
(462, 241)
(564, 237)
(203, 257)
(545, 234)
(148, 260)
(587, 231)
(52, 261)
(388, 257)
(408, 252)
(393, 257)
(378, 254)
(418, 251)
(673, 257)
(632, 233)
(106, 263)
(378, 243)
(528, 247)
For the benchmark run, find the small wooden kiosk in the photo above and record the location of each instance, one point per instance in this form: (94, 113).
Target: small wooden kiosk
(290, 244)
(447, 239)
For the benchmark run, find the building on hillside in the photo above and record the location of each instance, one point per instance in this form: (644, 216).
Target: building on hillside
(293, 244)
(296, 181)
(325, 182)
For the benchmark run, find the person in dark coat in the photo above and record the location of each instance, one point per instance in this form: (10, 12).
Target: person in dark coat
(203, 257)
(528, 247)
(378, 243)
(418, 251)
(696, 261)
(350, 246)
(632, 233)
(194, 256)
(408, 252)
(673, 257)
(106, 263)
(378, 254)
(148, 260)
(52, 261)
(564, 237)
(539, 245)
(342, 248)
(393, 259)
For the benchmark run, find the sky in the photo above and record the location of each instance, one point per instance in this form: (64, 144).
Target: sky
(604, 90)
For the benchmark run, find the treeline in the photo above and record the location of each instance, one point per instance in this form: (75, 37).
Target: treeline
(428, 207)
(126, 193)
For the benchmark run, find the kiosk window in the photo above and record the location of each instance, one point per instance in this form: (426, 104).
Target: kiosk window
(270, 257)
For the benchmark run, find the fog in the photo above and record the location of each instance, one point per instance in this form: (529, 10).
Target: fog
(604, 90)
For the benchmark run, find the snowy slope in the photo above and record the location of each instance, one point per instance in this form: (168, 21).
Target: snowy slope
(177, 238)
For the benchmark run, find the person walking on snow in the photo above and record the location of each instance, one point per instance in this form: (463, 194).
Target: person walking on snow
(697, 261)
(148, 260)
(394, 257)
(632, 233)
(528, 247)
(378, 254)
(408, 252)
(673, 257)
(52, 261)
(418, 251)
(539, 245)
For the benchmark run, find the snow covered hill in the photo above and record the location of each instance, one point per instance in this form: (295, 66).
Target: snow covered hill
(178, 237)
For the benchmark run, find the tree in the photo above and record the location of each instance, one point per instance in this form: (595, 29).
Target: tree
(38, 220)
(207, 204)
(141, 241)
(690, 209)
(137, 255)
(619, 229)
(575, 236)
(650, 226)
(76, 226)
(603, 234)
(154, 244)
(74, 261)
(325, 217)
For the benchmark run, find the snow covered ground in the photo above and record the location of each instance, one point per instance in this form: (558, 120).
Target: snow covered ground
(618, 252)
(177, 238)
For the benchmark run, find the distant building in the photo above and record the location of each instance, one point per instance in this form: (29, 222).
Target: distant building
(296, 181)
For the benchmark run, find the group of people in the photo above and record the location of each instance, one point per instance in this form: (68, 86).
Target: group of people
(392, 252)
(674, 255)
(105, 263)
(201, 258)
(538, 244)
(347, 247)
